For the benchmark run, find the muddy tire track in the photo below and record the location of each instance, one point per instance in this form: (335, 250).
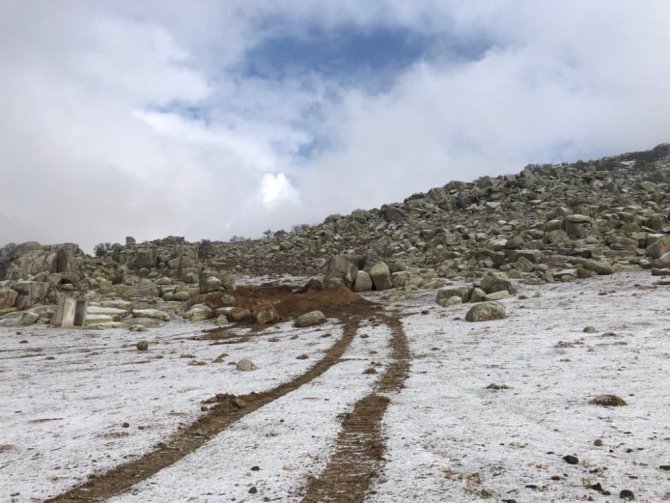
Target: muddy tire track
(359, 454)
(227, 410)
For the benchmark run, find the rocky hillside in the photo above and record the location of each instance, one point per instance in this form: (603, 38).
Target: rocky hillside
(547, 223)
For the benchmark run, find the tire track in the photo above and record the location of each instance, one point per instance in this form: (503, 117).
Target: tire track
(359, 454)
(228, 410)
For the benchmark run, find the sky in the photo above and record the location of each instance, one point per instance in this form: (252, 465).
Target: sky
(209, 119)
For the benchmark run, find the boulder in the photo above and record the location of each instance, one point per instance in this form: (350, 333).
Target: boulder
(401, 279)
(264, 314)
(663, 261)
(146, 258)
(30, 293)
(340, 268)
(209, 284)
(486, 311)
(7, 298)
(245, 365)
(447, 292)
(310, 319)
(238, 314)
(381, 276)
(659, 248)
(495, 282)
(198, 312)
(363, 282)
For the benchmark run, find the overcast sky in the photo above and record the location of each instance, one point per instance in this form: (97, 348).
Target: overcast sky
(213, 118)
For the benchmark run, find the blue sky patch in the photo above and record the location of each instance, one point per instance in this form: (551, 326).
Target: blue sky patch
(342, 53)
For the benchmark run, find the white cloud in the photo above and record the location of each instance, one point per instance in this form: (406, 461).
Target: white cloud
(135, 118)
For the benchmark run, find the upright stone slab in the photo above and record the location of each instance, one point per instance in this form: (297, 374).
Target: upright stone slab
(65, 314)
(80, 313)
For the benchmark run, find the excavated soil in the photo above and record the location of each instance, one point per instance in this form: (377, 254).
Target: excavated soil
(291, 302)
(359, 454)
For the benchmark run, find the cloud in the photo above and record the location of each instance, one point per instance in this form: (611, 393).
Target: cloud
(126, 118)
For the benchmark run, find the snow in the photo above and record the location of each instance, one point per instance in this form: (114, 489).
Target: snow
(449, 438)
(289, 439)
(66, 393)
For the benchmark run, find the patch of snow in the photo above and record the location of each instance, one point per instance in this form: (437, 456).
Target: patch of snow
(450, 438)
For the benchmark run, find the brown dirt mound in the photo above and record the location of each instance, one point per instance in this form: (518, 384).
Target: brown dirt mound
(333, 302)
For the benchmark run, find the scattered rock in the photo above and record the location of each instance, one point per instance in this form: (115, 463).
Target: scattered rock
(626, 494)
(609, 401)
(590, 330)
(245, 365)
(571, 460)
(310, 319)
(142, 345)
(486, 311)
(151, 313)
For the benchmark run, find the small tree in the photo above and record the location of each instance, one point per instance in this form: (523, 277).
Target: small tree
(101, 249)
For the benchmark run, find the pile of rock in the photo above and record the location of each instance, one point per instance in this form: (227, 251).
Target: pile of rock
(545, 224)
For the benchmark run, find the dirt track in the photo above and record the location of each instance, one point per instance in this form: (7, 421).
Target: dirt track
(359, 451)
(360, 447)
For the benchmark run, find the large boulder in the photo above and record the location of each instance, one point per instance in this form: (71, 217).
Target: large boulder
(447, 292)
(7, 298)
(659, 247)
(209, 284)
(30, 293)
(381, 276)
(340, 269)
(146, 258)
(486, 311)
(663, 261)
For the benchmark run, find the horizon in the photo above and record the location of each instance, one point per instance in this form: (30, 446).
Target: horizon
(228, 119)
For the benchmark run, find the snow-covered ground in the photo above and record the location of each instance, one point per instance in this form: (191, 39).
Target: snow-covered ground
(451, 438)
(66, 395)
(276, 448)
(75, 402)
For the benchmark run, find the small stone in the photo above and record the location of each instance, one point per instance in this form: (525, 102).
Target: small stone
(571, 460)
(245, 365)
(626, 494)
(609, 401)
(142, 345)
(590, 330)
(302, 357)
(255, 468)
(125, 425)
(598, 442)
(665, 468)
(253, 490)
